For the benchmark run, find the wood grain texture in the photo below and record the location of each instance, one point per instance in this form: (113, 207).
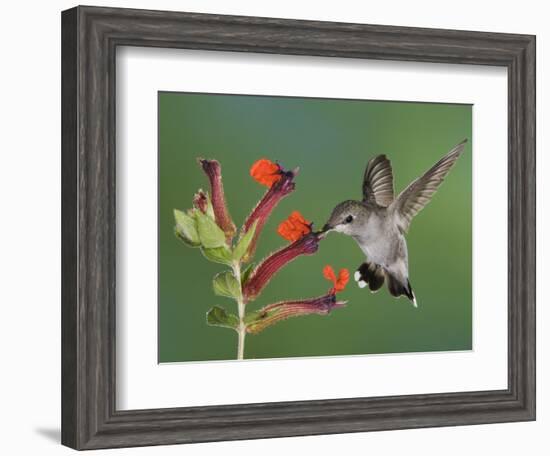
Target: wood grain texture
(89, 39)
(69, 228)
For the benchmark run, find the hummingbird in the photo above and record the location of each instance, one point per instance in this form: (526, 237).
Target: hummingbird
(379, 222)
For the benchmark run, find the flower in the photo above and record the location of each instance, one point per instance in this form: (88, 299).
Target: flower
(200, 201)
(283, 187)
(339, 282)
(274, 313)
(266, 172)
(294, 227)
(263, 273)
(322, 305)
(212, 169)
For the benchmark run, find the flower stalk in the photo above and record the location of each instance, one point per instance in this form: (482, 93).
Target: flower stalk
(241, 328)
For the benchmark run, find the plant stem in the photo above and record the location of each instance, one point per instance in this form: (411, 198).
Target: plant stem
(240, 347)
(241, 330)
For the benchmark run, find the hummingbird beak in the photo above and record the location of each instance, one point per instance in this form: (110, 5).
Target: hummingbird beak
(324, 231)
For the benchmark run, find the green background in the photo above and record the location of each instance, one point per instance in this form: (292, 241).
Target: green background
(331, 141)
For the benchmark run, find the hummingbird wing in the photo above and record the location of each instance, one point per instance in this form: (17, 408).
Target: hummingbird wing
(419, 193)
(378, 181)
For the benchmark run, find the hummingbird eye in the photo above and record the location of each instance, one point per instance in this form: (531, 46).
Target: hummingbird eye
(349, 219)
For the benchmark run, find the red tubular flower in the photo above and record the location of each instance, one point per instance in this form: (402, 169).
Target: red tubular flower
(339, 282)
(213, 170)
(274, 313)
(263, 273)
(294, 227)
(281, 188)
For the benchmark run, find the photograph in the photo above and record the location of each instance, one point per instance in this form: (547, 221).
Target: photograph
(304, 227)
(280, 222)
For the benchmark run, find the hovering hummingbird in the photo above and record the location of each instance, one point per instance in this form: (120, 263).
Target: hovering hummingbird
(379, 222)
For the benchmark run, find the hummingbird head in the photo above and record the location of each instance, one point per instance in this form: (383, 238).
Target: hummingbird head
(347, 217)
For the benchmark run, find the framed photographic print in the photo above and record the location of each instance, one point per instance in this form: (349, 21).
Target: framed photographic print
(279, 228)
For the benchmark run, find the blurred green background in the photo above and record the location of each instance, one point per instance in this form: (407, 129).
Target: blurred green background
(331, 141)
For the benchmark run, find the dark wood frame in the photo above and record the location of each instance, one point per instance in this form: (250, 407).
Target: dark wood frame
(90, 36)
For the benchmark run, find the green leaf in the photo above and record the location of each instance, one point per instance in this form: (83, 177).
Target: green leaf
(186, 228)
(217, 316)
(225, 284)
(185, 240)
(245, 274)
(242, 247)
(218, 255)
(210, 234)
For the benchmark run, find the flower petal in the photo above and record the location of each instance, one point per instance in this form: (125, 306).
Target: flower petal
(343, 279)
(265, 172)
(329, 274)
(294, 227)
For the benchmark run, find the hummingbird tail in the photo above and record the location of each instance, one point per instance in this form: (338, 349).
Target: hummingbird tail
(370, 274)
(397, 288)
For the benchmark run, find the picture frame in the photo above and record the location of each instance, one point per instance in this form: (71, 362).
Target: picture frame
(90, 36)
